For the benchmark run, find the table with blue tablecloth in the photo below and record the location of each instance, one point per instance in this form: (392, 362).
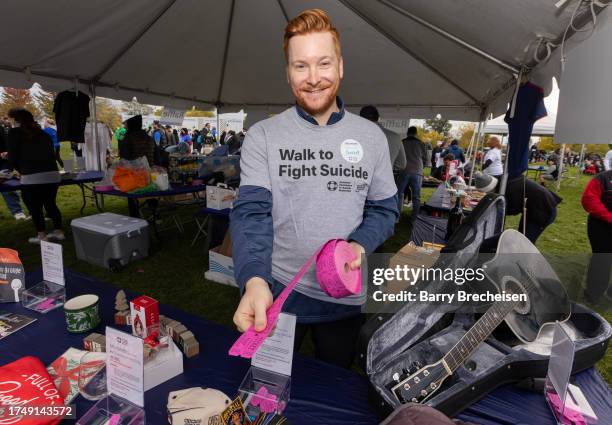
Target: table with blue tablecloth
(82, 179)
(320, 393)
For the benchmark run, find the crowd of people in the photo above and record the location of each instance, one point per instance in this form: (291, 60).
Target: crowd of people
(167, 139)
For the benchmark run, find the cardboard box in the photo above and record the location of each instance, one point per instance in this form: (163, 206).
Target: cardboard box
(221, 268)
(413, 257)
(219, 197)
(145, 316)
(225, 248)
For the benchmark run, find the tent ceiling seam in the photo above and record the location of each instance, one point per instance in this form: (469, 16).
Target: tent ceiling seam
(411, 53)
(226, 52)
(132, 42)
(457, 40)
(280, 4)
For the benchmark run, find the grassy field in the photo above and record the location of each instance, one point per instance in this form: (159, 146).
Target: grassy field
(174, 272)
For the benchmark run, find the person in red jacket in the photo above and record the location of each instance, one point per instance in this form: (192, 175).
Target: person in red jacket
(597, 201)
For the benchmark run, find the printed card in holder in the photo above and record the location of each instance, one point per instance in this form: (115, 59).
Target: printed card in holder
(125, 366)
(266, 387)
(276, 353)
(52, 262)
(51, 292)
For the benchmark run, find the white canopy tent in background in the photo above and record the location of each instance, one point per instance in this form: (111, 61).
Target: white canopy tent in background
(543, 127)
(411, 58)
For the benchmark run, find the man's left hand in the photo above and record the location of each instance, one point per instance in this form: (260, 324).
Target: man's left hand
(358, 250)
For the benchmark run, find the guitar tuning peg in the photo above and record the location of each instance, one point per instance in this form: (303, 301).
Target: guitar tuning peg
(396, 377)
(406, 371)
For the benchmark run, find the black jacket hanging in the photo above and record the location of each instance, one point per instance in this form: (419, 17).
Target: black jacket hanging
(71, 112)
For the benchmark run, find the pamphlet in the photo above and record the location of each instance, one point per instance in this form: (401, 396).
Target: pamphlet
(125, 366)
(12, 322)
(276, 353)
(52, 262)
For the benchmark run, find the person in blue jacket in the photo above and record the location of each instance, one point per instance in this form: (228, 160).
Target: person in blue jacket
(456, 151)
(312, 173)
(52, 132)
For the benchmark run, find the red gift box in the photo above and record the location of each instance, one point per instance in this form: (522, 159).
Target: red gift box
(145, 316)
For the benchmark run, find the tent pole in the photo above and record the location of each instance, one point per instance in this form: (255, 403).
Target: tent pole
(580, 161)
(218, 126)
(483, 123)
(94, 124)
(560, 175)
(482, 138)
(504, 178)
(470, 146)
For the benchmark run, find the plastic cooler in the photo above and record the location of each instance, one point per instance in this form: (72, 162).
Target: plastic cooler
(110, 240)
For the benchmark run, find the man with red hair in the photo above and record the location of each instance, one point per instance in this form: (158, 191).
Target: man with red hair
(312, 173)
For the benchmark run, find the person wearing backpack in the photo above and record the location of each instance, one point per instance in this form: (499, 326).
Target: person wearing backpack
(159, 135)
(161, 143)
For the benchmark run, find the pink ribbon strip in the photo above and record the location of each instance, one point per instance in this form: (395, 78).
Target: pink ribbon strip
(46, 304)
(114, 420)
(334, 276)
(266, 401)
(571, 415)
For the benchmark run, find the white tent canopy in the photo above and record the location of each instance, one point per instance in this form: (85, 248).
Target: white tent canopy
(412, 58)
(543, 127)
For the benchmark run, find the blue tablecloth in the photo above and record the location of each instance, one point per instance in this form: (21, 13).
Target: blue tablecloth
(81, 178)
(320, 393)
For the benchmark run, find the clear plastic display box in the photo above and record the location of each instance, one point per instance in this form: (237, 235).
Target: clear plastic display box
(44, 297)
(264, 391)
(107, 408)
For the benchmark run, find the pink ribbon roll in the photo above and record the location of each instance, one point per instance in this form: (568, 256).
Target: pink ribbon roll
(333, 269)
(334, 276)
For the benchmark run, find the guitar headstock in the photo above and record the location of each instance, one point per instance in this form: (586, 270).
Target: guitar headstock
(420, 385)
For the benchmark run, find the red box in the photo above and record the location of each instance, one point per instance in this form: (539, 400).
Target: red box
(145, 316)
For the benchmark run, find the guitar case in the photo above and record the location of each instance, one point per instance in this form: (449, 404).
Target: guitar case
(422, 333)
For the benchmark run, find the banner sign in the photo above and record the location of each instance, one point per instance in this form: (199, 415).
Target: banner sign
(170, 116)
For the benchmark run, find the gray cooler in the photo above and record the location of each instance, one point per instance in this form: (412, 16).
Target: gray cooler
(110, 240)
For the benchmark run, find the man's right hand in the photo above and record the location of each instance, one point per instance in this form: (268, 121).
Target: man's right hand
(255, 302)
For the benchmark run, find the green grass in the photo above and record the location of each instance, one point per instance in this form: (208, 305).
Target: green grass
(174, 272)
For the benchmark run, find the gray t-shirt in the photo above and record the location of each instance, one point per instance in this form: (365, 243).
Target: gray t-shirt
(320, 178)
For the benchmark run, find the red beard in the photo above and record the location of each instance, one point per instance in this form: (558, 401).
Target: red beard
(318, 105)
